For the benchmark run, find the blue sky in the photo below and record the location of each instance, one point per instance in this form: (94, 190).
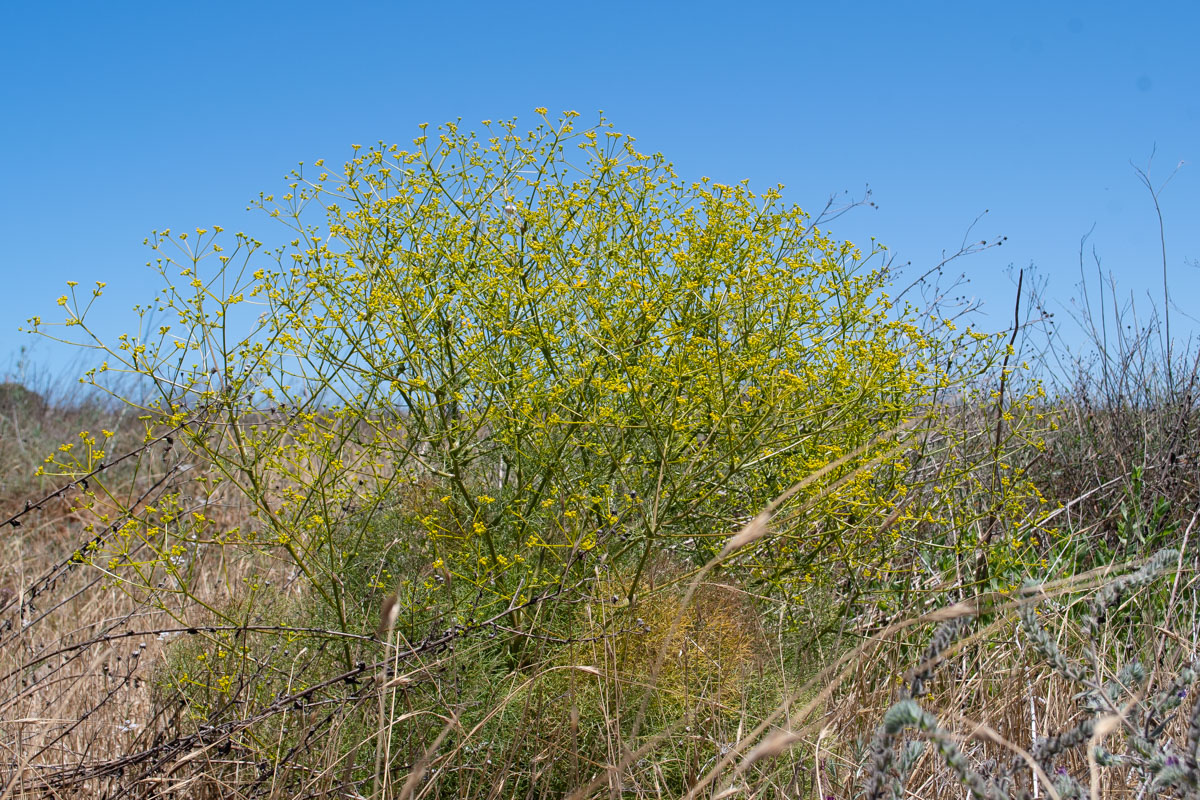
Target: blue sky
(118, 118)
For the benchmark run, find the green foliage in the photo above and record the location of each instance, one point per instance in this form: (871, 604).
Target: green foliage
(487, 372)
(1140, 525)
(567, 352)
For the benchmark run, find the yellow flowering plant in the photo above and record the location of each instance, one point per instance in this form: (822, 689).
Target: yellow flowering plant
(571, 351)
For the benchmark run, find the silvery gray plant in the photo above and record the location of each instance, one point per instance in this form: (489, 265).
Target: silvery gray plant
(1165, 768)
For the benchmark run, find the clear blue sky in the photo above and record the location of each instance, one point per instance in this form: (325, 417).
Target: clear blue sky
(117, 118)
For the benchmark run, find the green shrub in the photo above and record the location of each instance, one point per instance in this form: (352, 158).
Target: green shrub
(487, 382)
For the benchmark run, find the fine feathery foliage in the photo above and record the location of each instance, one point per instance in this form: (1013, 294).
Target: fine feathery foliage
(563, 351)
(440, 466)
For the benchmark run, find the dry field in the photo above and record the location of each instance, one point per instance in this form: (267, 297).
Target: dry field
(236, 688)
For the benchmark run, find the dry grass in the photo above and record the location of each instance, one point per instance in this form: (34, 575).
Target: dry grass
(689, 690)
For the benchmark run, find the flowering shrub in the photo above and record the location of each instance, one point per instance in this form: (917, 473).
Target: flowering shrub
(459, 444)
(568, 354)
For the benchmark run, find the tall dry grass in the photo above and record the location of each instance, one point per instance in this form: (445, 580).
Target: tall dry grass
(689, 692)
